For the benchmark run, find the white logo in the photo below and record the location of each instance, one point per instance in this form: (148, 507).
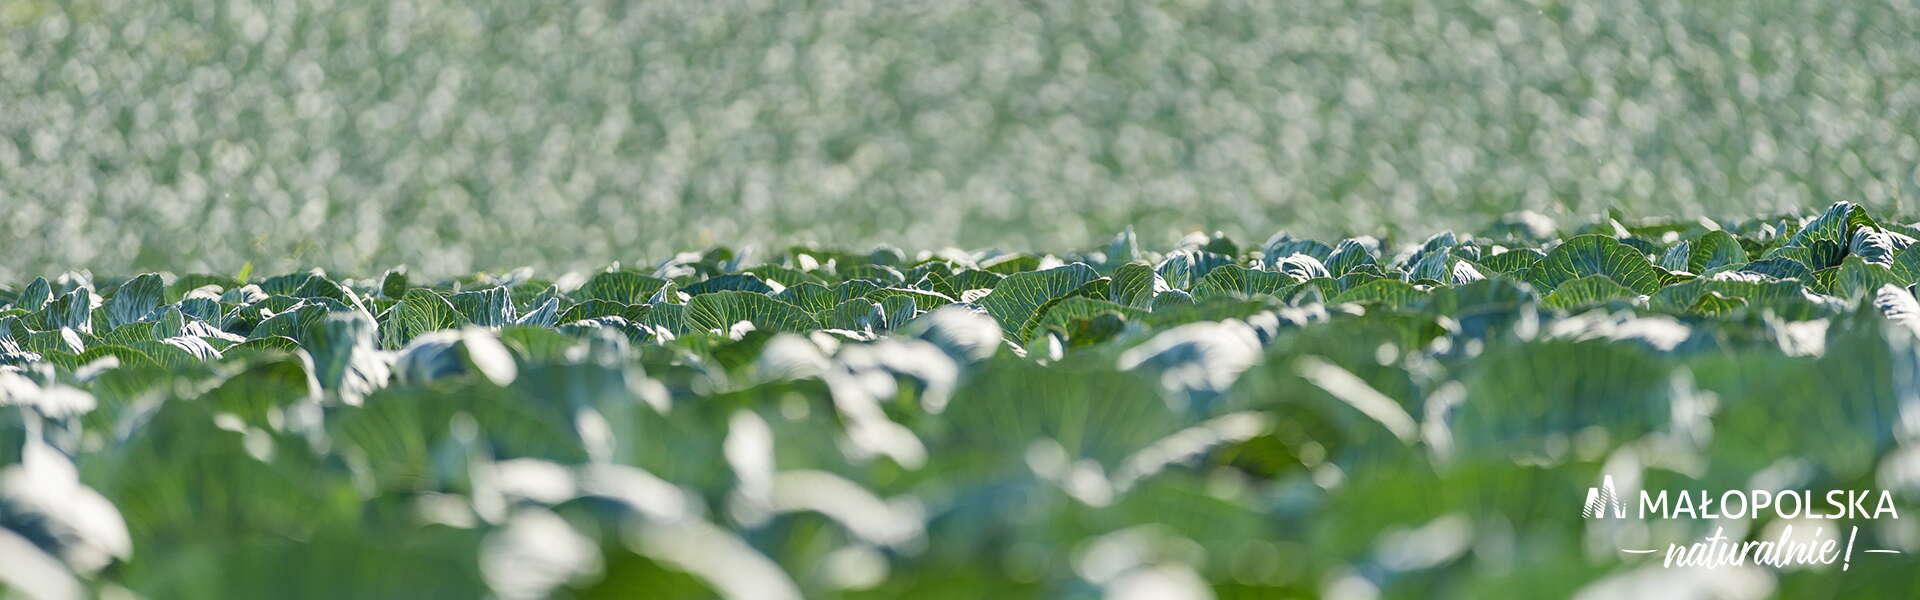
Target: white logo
(1781, 548)
(1600, 498)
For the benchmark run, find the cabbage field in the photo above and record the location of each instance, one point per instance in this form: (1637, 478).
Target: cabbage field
(1344, 418)
(767, 299)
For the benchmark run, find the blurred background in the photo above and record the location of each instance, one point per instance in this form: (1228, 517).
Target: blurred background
(354, 135)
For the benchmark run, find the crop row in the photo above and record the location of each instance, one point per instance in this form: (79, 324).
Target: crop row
(1296, 417)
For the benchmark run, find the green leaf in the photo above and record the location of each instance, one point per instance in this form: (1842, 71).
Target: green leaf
(60, 340)
(135, 300)
(1586, 291)
(74, 310)
(1096, 414)
(1357, 277)
(405, 433)
(1136, 285)
(1463, 272)
(536, 344)
(1095, 289)
(973, 279)
(624, 287)
(546, 314)
(1676, 257)
(285, 285)
(1439, 244)
(786, 277)
(1845, 432)
(1434, 266)
(1906, 265)
(1282, 246)
(924, 299)
(1311, 292)
(419, 311)
(1525, 397)
(1184, 269)
(179, 351)
(816, 298)
(745, 282)
(1896, 303)
(1595, 254)
(881, 274)
(244, 318)
(344, 357)
(1124, 248)
(670, 317)
(35, 296)
(1823, 242)
(1235, 281)
(594, 308)
(1787, 298)
(170, 323)
(1302, 267)
(858, 314)
(301, 322)
(186, 284)
(1346, 257)
(492, 307)
(136, 332)
(1073, 317)
(1713, 250)
(264, 384)
(394, 283)
(127, 356)
(1009, 264)
(1873, 245)
(1858, 279)
(1713, 304)
(719, 311)
(1780, 268)
(1513, 261)
(1171, 300)
(899, 310)
(1018, 297)
(266, 344)
(1385, 292)
(1487, 296)
(204, 309)
(319, 286)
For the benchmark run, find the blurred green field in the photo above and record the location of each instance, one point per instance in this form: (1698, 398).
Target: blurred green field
(352, 135)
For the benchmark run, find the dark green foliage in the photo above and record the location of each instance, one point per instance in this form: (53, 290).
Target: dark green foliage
(965, 426)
